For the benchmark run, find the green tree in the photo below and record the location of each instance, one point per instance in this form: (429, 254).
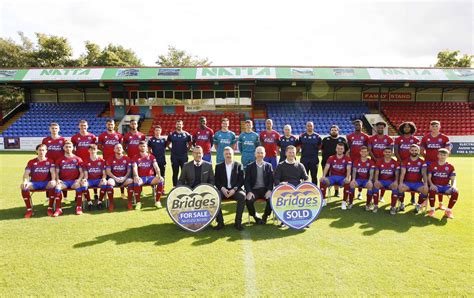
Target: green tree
(111, 55)
(449, 58)
(52, 51)
(176, 57)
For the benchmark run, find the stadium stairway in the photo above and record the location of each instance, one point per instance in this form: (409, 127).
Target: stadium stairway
(392, 131)
(12, 120)
(145, 126)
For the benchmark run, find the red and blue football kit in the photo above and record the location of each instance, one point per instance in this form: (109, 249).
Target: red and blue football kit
(55, 147)
(131, 142)
(107, 142)
(355, 141)
(81, 144)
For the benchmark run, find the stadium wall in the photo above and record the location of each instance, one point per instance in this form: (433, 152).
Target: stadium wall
(461, 144)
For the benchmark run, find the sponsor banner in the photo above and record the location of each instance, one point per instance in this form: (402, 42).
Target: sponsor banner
(193, 209)
(235, 73)
(385, 96)
(199, 108)
(12, 74)
(463, 148)
(149, 73)
(64, 74)
(460, 74)
(409, 74)
(296, 207)
(216, 73)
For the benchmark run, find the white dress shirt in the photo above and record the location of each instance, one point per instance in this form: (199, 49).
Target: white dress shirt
(228, 171)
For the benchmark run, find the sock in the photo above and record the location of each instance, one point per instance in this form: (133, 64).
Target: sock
(346, 192)
(103, 190)
(432, 195)
(87, 195)
(51, 195)
(351, 195)
(95, 191)
(65, 193)
(122, 190)
(110, 194)
(412, 196)
(393, 202)
(138, 193)
(79, 197)
(375, 196)
(59, 198)
(370, 196)
(452, 200)
(323, 189)
(421, 198)
(401, 197)
(25, 193)
(130, 193)
(159, 191)
(440, 198)
(382, 192)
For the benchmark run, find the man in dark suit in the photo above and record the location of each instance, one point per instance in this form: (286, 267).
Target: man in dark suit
(196, 171)
(259, 184)
(229, 181)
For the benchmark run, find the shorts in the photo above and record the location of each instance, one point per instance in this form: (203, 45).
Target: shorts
(68, 183)
(443, 188)
(39, 185)
(207, 157)
(362, 182)
(119, 184)
(272, 161)
(147, 179)
(93, 183)
(413, 186)
(386, 183)
(333, 180)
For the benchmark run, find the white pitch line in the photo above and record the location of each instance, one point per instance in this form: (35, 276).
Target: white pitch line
(249, 266)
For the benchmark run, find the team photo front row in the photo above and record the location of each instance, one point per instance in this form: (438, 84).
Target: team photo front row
(234, 181)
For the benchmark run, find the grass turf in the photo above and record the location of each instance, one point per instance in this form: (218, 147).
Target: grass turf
(142, 253)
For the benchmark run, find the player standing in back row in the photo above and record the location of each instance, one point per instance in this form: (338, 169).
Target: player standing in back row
(222, 139)
(248, 142)
(269, 139)
(310, 143)
(180, 142)
(203, 137)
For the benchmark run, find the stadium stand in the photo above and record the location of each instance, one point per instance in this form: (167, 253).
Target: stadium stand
(35, 122)
(191, 121)
(457, 118)
(323, 114)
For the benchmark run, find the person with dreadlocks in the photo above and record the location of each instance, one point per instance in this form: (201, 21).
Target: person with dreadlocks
(406, 138)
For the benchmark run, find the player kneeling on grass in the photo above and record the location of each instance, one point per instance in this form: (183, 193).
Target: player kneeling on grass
(338, 167)
(119, 169)
(362, 176)
(146, 172)
(442, 180)
(386, 177)
(413, 178)
(94, 177)
(69, 176)
(40, 174)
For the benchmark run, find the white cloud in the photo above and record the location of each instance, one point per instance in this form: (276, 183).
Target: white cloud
(398, 33)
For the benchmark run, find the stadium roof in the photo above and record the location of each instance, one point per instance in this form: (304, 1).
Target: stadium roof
(239, 73)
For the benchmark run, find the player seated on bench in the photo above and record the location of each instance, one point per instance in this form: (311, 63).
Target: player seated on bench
(362, 176)
(119, 169)
(387, 172)
(413, 178)
(338, 166)
(40, 174)
(69, 176)
(94, 177)
(146, 172)
(442, 180)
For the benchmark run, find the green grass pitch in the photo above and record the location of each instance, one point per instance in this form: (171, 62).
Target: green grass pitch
(142, 253)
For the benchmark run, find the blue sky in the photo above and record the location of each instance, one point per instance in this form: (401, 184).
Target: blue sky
(339, 33)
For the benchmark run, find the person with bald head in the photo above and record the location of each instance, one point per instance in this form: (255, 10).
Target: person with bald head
(310, 143)
(196, 171)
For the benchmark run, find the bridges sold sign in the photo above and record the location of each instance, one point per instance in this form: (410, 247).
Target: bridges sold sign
(296, 207)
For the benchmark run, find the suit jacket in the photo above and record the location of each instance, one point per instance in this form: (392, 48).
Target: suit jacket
(251, 176)
(187, 174)
(236, 176)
